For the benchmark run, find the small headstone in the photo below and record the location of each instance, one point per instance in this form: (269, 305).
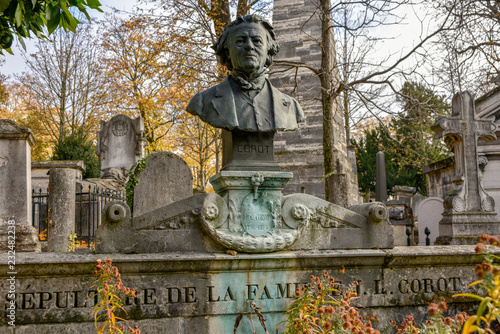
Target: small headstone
(15, 189)
(167, 178)
(430, 213)
(381, 179)
(120, 143)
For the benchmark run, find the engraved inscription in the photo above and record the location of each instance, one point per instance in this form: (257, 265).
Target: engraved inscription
(190, 294)
(254, 149)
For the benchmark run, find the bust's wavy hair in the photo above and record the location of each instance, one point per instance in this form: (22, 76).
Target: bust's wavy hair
(222, 44)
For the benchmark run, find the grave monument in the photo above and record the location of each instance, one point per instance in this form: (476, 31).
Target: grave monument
(120, 142)
(468, 209)
(201, 261)
(248, 213)
(440, 174)
(15, 189)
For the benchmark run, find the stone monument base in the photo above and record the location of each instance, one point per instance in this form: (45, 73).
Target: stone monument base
(26, 238)
(464, 228)
(200, 293)
(248, 214)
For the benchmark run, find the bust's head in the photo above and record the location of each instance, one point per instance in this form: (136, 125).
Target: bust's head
(247, 44)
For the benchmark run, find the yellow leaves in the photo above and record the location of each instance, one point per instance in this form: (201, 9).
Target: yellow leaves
(109, 285)
(199, 144)
(469, 326)
(150, 79)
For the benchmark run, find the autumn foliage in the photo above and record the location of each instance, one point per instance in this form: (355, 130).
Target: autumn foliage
(110, 295)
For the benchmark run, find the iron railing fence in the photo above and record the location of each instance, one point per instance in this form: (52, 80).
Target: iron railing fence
(40, 212)
(90, 201)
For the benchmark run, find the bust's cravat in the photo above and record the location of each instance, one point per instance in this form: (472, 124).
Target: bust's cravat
(254, 110)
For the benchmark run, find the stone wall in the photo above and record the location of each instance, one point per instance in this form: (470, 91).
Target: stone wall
(40, 172)
(488, 105)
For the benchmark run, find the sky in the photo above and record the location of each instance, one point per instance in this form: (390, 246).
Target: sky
(405, 37)
(15, 63)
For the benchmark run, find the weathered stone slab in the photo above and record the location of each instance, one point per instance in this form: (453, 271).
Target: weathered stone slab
(121, 142)
(172, 228)
(204, 293)
(166, 179)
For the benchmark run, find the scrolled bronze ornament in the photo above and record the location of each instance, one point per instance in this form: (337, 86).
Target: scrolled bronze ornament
(275, 239)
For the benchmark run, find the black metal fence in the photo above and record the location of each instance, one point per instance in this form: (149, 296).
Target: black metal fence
(90, 200)
(40, 212)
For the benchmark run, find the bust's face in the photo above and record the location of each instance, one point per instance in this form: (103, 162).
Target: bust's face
(248, 47)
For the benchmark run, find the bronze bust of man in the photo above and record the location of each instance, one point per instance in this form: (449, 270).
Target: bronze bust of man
(246, 100)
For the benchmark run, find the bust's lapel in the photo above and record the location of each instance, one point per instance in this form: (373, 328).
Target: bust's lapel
(281, 108)
(223, 103)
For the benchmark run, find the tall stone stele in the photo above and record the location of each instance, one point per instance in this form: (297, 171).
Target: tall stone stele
(468, 210)
(16, 232)
(297, 25)
(120, 142)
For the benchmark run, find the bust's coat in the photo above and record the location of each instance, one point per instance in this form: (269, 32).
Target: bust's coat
(216, 106)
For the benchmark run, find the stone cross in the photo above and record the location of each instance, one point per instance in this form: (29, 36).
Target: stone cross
(461, 131)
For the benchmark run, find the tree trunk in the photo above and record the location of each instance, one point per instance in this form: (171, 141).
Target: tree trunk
(345, 78)
(64, 87)
(243, 8)
(220, 15)
(327, 76)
